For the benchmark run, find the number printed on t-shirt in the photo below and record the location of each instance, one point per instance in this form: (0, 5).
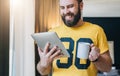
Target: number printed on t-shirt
(70, 50)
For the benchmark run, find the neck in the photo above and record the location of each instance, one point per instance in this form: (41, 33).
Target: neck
(80, 23)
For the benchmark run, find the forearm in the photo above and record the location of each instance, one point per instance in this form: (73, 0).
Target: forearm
(44, 71)
(104, 63)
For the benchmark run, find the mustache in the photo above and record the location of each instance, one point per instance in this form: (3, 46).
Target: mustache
(68, 14)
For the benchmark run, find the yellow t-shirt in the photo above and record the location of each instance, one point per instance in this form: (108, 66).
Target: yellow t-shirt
(70, 36)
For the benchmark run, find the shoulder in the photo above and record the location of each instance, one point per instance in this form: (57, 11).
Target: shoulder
(93, 26)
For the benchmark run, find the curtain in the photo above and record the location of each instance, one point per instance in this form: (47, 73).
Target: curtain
(22, 25)
(47, 15)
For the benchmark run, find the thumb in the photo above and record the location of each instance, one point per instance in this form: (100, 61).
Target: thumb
(39, 51)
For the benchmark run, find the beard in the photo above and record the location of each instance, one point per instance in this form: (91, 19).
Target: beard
(75, 20)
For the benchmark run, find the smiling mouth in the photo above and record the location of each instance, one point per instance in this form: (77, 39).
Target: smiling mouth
(69, 18)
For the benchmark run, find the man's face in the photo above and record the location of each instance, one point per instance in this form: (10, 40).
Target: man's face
(70, 12)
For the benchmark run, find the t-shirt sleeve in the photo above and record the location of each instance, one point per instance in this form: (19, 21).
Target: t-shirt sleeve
(102, 41)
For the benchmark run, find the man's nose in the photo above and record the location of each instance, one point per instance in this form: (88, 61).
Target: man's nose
(66, 11)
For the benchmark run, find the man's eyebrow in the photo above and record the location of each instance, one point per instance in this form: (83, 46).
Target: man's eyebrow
(71, 5)
(67, 5)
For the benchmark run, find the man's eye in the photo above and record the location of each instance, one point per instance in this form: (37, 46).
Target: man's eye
(62, 7)
(70, 6)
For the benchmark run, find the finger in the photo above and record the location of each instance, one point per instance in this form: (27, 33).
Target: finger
(39, 51)
(94, 53)
(46, 49)
(93, 48)
(92, 45)
(52, 50)
(56, 54)
(91, 58)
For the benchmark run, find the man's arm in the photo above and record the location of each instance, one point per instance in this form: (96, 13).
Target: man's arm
(44, 71)
(104, 62)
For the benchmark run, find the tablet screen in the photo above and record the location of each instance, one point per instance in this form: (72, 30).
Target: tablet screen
(44, 37)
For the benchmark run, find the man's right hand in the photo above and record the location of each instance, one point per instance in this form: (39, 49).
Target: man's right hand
(46, 58)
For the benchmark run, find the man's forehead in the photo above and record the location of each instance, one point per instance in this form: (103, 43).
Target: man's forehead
(67, 2)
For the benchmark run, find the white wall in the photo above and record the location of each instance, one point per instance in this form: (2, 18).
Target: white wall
(101, 8)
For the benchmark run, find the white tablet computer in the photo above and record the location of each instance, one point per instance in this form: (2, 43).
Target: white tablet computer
(42, 38)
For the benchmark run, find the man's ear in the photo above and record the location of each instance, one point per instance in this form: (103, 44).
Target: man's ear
(81, 5)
